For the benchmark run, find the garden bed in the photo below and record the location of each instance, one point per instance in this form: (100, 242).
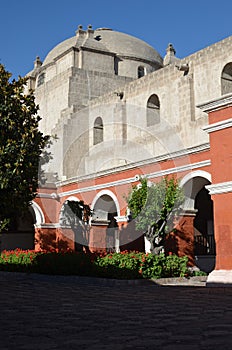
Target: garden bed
(124, 265)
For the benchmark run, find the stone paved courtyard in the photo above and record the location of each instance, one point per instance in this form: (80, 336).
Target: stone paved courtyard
(43, 312)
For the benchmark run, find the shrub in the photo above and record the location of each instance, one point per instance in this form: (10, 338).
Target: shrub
(160, 266)
(140, 265)
(118, 265)
(124, 265)
(70, 263)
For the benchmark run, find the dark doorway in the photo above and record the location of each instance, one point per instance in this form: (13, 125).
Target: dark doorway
(204, 242)
(203, 224)
(105, 211)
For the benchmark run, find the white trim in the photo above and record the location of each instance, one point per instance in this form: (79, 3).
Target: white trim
(39, 215)
(188, 205)
(121, 218)
(44, 195)
(47, 195)
(107, 193)
(73, 198)
(222, 187)
(196, 173)
(54, 225)
(218, 126)
(179, 169)
(130, 180)
(218, 103)
(98, 187)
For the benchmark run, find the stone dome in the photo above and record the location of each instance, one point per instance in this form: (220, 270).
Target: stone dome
(121, 44)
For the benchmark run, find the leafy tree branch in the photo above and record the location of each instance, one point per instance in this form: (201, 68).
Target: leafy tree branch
(153, 208)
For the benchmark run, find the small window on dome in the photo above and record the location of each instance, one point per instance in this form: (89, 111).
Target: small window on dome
(141, 71)
(41, 79)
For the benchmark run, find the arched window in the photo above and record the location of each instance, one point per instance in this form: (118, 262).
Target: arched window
(141, 71)
(226, 79)
(153, 110)
(41, 79)
(98, 131)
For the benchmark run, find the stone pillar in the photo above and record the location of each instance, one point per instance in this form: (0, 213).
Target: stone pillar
(97, 236)
(122, 222)
(220, 134)
(45, 237)
(65, 239)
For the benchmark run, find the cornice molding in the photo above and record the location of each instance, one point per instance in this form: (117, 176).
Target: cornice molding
(180, 169)
(218, 126)
(47, 195)
(215, 104)
(219, 188)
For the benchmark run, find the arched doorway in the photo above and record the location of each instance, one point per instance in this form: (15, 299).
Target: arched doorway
(105, 210)
(203, 224)
(199, 201)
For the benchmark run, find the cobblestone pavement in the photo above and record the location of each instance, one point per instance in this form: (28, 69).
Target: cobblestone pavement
(44, 312)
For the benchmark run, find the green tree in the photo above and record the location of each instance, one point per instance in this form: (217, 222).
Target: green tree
(22, 148)
(153, 207)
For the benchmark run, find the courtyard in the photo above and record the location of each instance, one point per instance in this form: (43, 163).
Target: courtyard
(56, 312)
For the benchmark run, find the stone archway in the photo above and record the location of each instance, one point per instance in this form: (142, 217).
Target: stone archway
(104, 226)
(73, 231)
(38, 213)
(199, 202)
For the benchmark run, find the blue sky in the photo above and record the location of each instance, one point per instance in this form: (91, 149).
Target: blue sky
(30, 28)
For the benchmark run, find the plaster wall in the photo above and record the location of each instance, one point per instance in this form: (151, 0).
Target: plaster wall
(64, 62)
(52, 97)
(97, 62)
(129, 67)
(181, 121)
(50, 72)
(127, 138)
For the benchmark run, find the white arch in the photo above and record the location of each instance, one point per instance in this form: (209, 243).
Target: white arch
(196, 173)
(108, 193)
(192, 188)
(39, 215)
(72, 198)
